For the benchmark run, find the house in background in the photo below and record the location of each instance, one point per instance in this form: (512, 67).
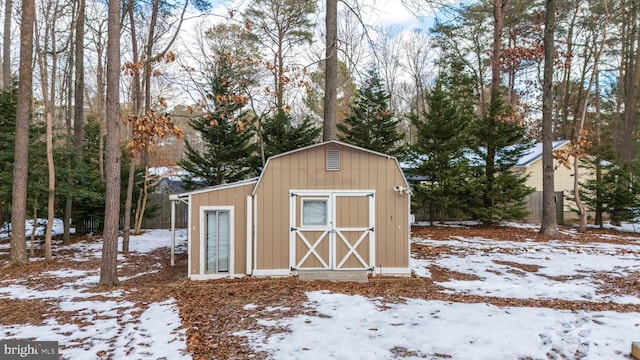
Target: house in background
(531, 165)
(328, 208)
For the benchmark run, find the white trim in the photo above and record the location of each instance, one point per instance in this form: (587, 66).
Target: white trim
(409, 229)
(292, 233)
(392, 271)
(272, 272)
(189, 237)
(255, 235)
(328, 192)
(334, 234)
(372, 234)
(212, 276)
(203, 211)
(249, 229)
(252, 181)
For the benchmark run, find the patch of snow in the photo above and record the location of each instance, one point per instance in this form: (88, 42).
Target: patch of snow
(434, 329)
(563, 271)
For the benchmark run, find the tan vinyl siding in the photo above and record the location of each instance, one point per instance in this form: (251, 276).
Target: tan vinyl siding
(359, 170)
(235, 197)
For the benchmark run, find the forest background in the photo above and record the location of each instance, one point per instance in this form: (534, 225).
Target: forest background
(218, 87)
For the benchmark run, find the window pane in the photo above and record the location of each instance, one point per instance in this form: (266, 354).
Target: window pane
(314, 212)
(218, 239)
(223, 241)
(212, 241)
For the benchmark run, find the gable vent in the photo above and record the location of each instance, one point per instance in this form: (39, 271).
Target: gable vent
(333, 160)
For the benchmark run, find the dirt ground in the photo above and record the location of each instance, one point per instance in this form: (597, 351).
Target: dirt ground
(213, 310)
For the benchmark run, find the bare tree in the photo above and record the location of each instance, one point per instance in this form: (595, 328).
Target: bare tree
(97, 28)
(18, 254)
(47, 48)
(281, 25)
(579, 143)
(109, 266)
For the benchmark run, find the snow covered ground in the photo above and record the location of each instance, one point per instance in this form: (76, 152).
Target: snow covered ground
(349, 327)
(355, 327)
(118, 328)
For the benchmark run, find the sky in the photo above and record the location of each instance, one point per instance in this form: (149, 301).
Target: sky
(355, 327)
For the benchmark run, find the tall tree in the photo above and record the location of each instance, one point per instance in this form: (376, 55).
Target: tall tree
(499, 190)
(329, 130)
(579, 142)
(8, 99)
(18, 254)
(372, 124)
(78, 107)
(47, 54)
(6, 46)
(229, 155)
(142, 69)
(109, 266)
(281, 25)
(443, 134)
(549, 225)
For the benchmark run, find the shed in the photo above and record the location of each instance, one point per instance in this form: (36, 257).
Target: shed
(326, 207)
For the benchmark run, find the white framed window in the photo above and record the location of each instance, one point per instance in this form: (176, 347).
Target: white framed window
(216, 241)
(315, 212)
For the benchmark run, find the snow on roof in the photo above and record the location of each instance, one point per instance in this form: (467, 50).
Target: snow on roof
(535, 153)
(171, 172)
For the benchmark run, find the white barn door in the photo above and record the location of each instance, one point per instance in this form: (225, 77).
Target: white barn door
(332, 230)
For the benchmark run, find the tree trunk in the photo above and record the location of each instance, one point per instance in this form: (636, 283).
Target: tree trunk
(18, 254)
(579, 131)
(597, 141)
(127, 206)
(566, 83)
(52, 185)
(631, 106)
(109, 266)
(68, 205)
(331, 72)
(78, 115)
(6, 46)
(136, 96)
(142, 202)
(549, 225)
(32, 248)
(496, 53)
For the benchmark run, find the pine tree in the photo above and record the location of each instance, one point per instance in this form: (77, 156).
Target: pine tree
(617, 193)
(440, 150)
(281, 133)
(498, 191)
(372, 124)
(8, 100)
(229, 153)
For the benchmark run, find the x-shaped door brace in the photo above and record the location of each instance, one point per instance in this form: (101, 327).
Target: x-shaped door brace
(312, 249)
(352, 249)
